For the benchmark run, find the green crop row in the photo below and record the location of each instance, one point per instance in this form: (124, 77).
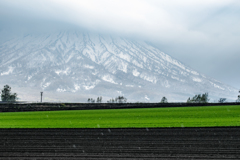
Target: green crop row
(121, 118)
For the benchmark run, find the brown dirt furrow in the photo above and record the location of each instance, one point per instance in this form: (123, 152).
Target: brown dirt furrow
(121, 143)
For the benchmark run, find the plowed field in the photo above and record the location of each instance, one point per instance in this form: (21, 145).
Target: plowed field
(140, 143)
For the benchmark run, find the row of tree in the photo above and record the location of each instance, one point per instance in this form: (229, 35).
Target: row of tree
(91, 100)
(119, 99)
(199, 98)
(7, 96)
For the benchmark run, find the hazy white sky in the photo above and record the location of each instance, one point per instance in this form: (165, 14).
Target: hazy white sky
(204, 34)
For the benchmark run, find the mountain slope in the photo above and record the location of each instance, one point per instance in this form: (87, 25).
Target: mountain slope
(99, 65)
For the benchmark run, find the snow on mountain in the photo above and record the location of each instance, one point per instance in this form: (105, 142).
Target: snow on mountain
(89, 64)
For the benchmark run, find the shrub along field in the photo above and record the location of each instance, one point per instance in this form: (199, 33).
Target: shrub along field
(211, 116)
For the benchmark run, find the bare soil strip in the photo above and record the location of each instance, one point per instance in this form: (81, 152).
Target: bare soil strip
(125, 143)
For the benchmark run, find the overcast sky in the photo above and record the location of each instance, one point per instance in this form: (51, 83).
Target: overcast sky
(203, 34)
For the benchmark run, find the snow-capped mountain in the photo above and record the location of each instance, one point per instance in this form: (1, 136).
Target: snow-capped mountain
(90, 65)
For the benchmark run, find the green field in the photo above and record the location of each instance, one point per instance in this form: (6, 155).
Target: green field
(117, 118)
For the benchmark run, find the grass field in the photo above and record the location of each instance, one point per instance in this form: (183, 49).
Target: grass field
(121, 118)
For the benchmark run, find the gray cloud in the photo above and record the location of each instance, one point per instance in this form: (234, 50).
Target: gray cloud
(203, 34)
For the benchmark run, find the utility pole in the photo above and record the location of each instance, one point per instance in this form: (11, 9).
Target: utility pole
(41, 95)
